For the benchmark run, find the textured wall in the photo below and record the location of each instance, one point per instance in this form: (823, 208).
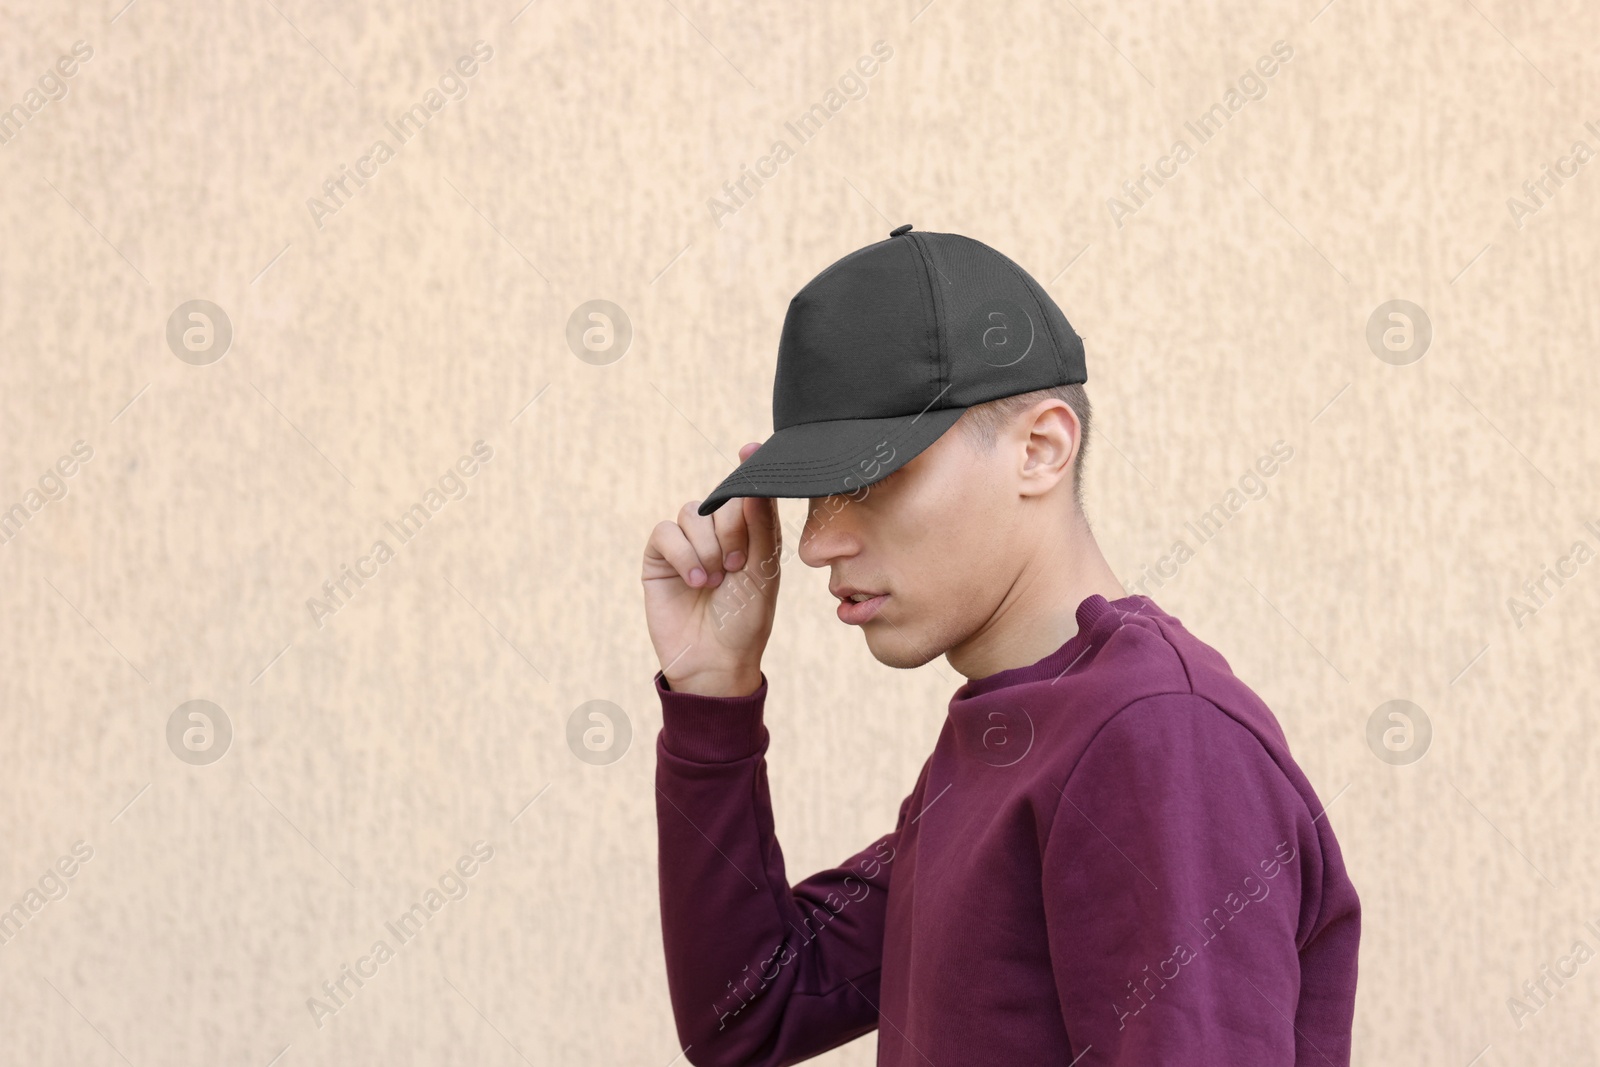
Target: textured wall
(377, 333)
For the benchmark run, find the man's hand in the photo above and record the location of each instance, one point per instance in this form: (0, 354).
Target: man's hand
(710, 593)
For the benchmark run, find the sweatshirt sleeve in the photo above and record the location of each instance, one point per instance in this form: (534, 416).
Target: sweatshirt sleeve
(760, 973)
(1180, 876)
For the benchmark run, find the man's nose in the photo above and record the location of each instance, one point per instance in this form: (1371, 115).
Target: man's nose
(825, 537)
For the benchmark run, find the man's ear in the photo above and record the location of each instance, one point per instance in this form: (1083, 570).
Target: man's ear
(1049, 436)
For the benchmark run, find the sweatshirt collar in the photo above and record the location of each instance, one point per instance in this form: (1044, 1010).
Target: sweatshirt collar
(1096, 617)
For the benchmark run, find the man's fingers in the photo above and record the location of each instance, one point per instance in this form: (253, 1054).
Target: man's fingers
(702, 535)
(732, 535)
(668, 544)
(765, 536)
(739, 518)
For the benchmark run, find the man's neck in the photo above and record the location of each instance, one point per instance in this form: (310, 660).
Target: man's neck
(1039, 612)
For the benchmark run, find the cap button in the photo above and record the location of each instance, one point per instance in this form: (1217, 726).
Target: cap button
(898, 230)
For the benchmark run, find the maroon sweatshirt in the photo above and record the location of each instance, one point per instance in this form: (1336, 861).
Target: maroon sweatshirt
(1109, 858)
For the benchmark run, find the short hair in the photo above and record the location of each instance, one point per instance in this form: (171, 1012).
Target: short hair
(982, 423)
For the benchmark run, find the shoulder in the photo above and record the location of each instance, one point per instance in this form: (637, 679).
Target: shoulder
(1150, 725)
(1151, 675)
(1180, 753)
(1170, 791)
(1148, 652)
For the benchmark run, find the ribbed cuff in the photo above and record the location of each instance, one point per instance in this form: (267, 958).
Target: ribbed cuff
(709, 729)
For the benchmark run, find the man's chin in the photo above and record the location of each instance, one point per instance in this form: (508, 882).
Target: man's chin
(895, 645)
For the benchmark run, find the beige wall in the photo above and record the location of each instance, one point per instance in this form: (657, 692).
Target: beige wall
(373, 746)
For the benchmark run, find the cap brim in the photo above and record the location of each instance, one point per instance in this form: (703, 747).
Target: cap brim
(828, 458)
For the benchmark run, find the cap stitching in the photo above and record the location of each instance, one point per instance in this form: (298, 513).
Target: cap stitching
(832, 461)
(930, 310)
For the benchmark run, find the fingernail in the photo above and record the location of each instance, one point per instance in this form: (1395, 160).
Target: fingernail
(734, 561)
(697, 577)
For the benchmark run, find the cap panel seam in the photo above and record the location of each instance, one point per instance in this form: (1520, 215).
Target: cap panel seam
(932, 305)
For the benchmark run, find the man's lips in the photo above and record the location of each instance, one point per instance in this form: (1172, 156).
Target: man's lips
(858, 613)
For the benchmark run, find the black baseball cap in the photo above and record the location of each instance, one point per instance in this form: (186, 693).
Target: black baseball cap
(882, 352)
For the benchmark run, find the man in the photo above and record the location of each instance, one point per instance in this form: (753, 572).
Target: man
(1109, 858)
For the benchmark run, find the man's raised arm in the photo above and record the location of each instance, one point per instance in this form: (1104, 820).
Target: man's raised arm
(759, 972)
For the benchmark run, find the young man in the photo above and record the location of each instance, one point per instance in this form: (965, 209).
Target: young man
(1109, 858)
